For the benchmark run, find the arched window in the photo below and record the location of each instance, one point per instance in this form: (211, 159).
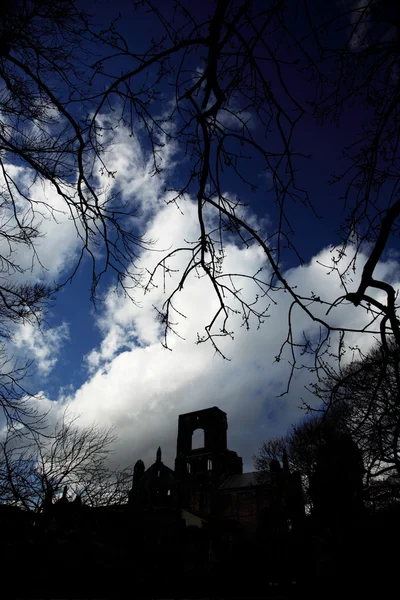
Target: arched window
(198, 439)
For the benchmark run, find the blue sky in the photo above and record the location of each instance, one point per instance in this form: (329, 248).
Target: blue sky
(106, 362)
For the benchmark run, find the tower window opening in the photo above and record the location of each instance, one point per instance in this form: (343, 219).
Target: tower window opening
(188, 467)
(198, 439)
(209, 464)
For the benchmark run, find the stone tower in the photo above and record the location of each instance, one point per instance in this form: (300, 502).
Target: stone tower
(200, 469)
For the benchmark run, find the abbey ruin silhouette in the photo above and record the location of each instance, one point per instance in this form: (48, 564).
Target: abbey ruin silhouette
(188, 529)
(208, 480)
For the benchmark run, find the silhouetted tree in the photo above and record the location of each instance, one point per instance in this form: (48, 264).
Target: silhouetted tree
(48, 75)
(233, 88)
(336, 487)
(369, 389)
(236, 76)
(272, 449)
(47, 48)
(364, 59)
(360, 400)
(301, 446)
(16, 401)
(34, 471)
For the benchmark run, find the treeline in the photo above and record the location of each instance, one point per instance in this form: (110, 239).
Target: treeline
(72, 459)
(359, 401)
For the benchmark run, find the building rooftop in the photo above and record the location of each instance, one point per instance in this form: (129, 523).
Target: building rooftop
(244, 480)
(211, 409)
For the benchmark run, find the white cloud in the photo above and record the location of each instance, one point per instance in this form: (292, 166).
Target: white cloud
(56, 249)
(141, 388)
(44, 345)
(57, 244)
(134, 168)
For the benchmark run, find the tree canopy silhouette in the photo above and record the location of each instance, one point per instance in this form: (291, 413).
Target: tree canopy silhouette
(234, 102)
(35, 469)
(368, 392)
(360, 400)
(234, 67)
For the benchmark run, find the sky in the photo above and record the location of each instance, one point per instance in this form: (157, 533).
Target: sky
(106, 361)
